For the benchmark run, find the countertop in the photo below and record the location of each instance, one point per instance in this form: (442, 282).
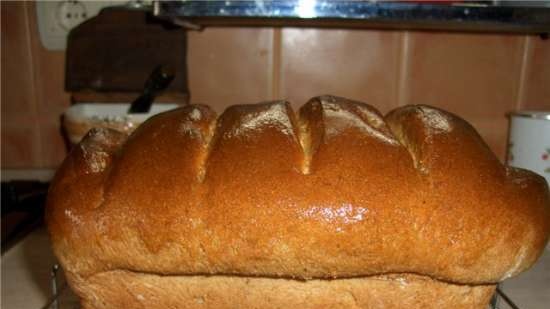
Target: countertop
(26, 278)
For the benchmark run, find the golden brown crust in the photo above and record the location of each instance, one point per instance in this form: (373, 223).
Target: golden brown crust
(337, 191)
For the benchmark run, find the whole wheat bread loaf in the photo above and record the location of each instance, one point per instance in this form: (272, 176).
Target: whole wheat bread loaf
(336, 206)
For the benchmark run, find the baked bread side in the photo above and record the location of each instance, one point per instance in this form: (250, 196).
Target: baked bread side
(123, 289)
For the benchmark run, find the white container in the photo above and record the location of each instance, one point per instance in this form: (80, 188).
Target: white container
(82, 117)
(529, 141)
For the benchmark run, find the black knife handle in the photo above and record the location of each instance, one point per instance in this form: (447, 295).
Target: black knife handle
(159, 80)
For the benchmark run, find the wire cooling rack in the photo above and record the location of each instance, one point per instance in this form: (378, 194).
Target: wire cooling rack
(62, 297)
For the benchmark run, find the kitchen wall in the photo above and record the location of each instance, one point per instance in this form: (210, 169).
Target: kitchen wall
(480, 77)
(32, 92)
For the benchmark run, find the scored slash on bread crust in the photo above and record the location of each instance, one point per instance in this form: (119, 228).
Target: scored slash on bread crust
(334, 191)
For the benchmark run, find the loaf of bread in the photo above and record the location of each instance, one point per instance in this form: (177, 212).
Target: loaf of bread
(336, 206)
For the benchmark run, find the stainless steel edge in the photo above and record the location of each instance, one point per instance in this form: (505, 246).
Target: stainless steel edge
(410, 15)
(531, 114)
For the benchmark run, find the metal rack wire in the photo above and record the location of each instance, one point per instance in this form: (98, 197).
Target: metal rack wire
(499, 301)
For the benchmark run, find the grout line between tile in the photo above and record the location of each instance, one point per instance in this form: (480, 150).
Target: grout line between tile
(270, 68)
(403, 69)
(276, 63)
(37, 136)
(526, 46)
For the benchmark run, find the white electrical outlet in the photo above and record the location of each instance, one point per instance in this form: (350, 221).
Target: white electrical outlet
(57, 18)
(70, 14)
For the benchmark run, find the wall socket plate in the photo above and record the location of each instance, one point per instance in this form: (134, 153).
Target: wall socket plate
(57, 18)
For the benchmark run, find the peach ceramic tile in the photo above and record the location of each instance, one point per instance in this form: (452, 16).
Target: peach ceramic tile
(17, 79)
(357, 64)
(229, 66)
(494, 132)
(536, 86)
(52, 100)
(52, 145)
(475, 75)
(49, 72)
(19, 146)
